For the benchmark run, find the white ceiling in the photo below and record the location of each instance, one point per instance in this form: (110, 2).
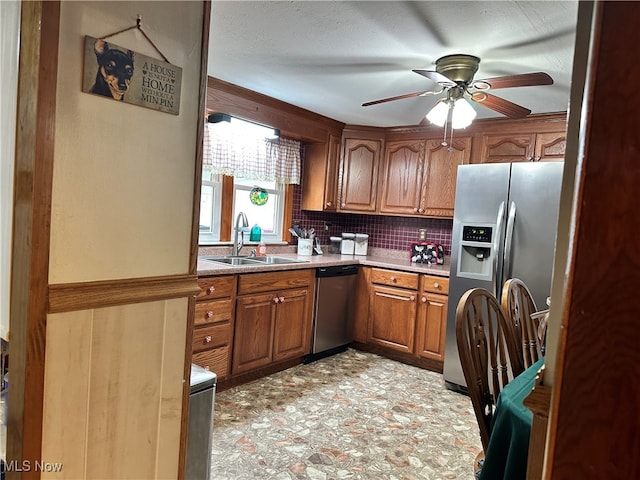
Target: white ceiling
(330, 57)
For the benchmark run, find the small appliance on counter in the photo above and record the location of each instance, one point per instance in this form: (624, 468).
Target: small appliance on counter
(348, 244)
(335, 244)
(361, 244)
(429, 253)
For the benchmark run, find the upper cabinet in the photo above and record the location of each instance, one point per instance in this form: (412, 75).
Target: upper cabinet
(359, 175)
(401, 177)
(320, 175)
(419, 176)
(521, 141)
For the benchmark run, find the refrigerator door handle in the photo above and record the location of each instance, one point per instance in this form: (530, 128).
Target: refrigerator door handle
(496, 247)
(506, 260)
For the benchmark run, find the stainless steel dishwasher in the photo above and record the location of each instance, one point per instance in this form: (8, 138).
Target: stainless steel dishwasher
(334, 308)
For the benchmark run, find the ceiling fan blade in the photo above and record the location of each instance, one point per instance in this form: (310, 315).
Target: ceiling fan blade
(523, 80)
(436, 77)
(500, 105)
(400, 97)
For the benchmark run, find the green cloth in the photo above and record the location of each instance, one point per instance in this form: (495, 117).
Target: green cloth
(506, 455)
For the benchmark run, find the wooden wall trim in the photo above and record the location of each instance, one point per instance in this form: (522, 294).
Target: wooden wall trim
(70, 297)
(39, 27)
(195, 230)
(594, 426)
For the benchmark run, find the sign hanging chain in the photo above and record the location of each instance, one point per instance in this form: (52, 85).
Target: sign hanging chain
(138, 25)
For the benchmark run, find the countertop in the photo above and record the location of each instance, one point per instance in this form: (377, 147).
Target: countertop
(210, 268)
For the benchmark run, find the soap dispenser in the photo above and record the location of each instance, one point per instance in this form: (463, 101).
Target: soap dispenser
(256, 233)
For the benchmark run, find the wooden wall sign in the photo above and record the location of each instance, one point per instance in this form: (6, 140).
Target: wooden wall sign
(124, 75)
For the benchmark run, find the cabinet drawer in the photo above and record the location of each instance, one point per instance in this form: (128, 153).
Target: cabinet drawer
(211, 336)
(394, 278)
(270, 281)
(216, 287)
(212, 312)
(435, 284)
(215, 360)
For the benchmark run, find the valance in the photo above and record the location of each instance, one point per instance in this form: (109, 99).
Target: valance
(242, 156)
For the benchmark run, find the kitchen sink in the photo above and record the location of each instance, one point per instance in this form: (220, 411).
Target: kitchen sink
(249, 261)
(277, 260)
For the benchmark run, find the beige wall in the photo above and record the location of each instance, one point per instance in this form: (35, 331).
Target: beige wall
(122, 205)
(123, 174)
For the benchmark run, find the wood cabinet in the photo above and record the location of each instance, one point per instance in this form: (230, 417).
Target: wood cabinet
(441, 174)
(393, 309)
(213, 324)
(431, 321)
(401, 177)
(405, 315)
(359, 175)
(320, 175)
(418, 177)
(521, 147)
(273, 318)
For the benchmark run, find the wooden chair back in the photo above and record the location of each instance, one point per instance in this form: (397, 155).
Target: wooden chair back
(518, 305)
(489, 354)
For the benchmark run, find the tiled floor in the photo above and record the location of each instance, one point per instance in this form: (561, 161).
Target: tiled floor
(351, 416)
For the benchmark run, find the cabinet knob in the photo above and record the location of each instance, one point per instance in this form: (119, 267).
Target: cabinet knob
(281, 299)
(210, 290)
(416, 210)
(392, 278)
(329, 204)
(412, 298)
(436, 285)
(209, 314)
(276, 300)
(421, 210)
(343, 205)
(207, 339)
(423, 299)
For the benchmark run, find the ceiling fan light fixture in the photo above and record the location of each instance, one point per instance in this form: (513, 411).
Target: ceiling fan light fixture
(439, 113)
(463, 114)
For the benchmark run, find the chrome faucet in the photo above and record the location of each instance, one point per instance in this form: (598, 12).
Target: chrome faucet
(245, 223)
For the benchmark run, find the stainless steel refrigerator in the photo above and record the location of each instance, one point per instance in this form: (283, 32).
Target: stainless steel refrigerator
(504, 226)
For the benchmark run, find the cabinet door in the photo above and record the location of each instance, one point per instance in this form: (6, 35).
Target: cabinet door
(392, 318)
(402, 177)
(320, 176)
(359, 180)
(291, 335)
(441, 173)
(506, 148)
(431, 325)
(253, 338)
(550, 147)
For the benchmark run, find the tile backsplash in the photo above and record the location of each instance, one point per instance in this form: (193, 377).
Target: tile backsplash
(388, 232)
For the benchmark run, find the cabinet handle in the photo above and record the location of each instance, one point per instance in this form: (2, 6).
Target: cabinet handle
(423, 299)
(276, 300)
(281, 299)
(207, 339)
(210, 290)
(209, 314)
(412, 298)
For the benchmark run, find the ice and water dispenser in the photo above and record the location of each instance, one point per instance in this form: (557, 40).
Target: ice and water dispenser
(475, 258)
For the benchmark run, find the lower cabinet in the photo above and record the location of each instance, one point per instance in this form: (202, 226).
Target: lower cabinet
(273, 318)
(213, 324)
(407, 312)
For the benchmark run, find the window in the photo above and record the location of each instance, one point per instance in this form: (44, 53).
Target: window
(267, 216)
(210, 201)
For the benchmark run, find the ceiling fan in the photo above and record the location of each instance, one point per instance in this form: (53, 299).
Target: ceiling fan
(454, 75)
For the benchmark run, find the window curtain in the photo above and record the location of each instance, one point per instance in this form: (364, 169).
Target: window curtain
(235, 154)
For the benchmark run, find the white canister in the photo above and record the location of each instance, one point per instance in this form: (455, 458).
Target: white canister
(305, 246)
(362, 243)
(347, 246)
